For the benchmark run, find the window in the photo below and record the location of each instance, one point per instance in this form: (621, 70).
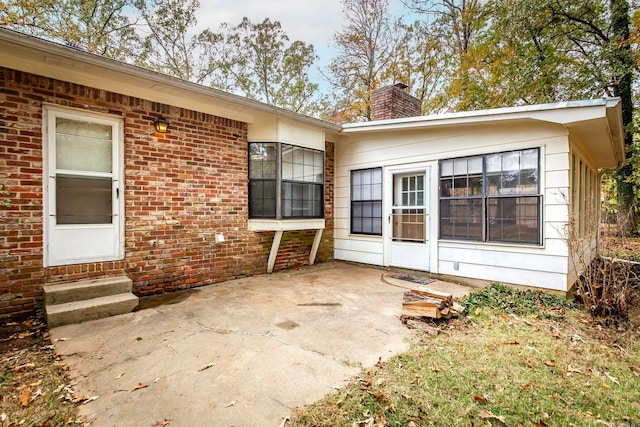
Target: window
(491, 198)
(285, 181)
(366, 201)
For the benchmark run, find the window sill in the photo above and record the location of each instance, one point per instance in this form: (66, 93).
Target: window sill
(286, 224)
(493, 244)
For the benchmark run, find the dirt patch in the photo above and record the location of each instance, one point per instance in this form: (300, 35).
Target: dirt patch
(34, 387)
(168, 298)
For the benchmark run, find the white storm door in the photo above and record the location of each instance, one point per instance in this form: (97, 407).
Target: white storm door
(409, 220)
(84, 199)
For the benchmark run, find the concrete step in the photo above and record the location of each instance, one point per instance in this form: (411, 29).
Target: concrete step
(86, 289)
(90, 309)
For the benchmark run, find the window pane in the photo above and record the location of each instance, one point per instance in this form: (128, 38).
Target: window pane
(468, 205)
(262, 199)
(494, 162)
(511, 161)
(514, 219)
(83, 200)
(461, 219)
(530, 159)
(301, 200)
(446, 168)
(460, 166)
(366, 205)
(83, 146)
(475, 165)
(409, 225)
(262, 160)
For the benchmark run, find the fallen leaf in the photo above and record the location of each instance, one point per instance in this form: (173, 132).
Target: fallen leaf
(35, 395)
(549, 363)
(528, 363)
(607, 386)
(539, 423)
(484, 414)
(207, 366)
(479, 399)
(232, 403)
(24, 367)
(369, 422)
(139, 386)
(119, 376)
(478, 311)
(162, 423)
(24, 398)
(611, 378)
(574, 370)
(435, 368)
(83, 400)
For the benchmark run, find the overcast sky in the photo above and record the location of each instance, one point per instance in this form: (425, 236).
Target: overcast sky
(312, 21)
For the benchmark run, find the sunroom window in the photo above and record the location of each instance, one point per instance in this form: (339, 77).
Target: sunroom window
(492, 198)
(285, 181)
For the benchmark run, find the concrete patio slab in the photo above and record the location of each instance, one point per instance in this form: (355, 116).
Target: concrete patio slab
(240, 353)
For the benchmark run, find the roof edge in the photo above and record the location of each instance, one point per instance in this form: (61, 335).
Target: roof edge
(73, 54)
(493, 114)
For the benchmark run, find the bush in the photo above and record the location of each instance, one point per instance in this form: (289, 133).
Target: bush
(605, 289)
(514, 301)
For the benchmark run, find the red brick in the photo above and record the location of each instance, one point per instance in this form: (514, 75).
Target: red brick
(170, 182)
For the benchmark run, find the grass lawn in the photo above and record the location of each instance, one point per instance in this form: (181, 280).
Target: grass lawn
(516, 360)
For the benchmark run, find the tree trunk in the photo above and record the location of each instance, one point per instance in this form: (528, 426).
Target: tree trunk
(623, 81)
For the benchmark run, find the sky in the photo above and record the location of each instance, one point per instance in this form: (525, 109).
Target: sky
(311, 21)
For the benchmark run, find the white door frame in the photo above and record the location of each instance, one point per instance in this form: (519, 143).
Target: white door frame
(49, 115)
(431, 200)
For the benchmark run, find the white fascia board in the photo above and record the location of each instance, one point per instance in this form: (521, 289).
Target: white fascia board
(561, 113)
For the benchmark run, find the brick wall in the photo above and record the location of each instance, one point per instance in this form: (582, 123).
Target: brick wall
(393, 102)
(180, 189)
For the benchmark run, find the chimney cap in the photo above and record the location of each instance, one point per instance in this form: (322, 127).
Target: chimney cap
(401, 85)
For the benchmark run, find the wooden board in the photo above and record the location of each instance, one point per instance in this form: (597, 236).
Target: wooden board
(434, 294)
(420, 309)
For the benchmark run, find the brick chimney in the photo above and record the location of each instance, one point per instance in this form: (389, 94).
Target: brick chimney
(394, 102)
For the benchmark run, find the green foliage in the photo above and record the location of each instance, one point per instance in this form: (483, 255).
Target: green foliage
(509, 300)
(365, 46)
(263, 64)
(99, 26)
(4, 199)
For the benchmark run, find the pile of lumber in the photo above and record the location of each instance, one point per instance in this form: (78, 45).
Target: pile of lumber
(424, 302)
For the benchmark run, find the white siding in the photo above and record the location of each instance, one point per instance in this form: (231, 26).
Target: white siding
(277, 130)
(361, 249)
(541, 266)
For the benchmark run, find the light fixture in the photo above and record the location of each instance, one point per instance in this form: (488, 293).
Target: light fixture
(162, 124)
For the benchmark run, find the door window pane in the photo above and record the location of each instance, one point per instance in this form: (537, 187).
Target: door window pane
(83, 200)
(409, 225)
(83, 146)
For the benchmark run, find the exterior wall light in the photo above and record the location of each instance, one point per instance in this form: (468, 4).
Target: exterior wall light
(161, 124)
